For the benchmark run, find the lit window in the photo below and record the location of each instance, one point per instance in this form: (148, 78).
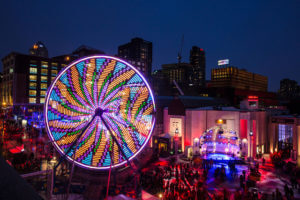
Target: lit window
(32, 77)
(44, 71)
(43, 93)
(32, 70)
(11, 70)
(63, 65)
(53, 72)
(52, 78)
(32, 92)
(32, 100)
(43, 86)
(44, 78)
(42, 100)
(32, 85)
(44, 64)
(54, 65)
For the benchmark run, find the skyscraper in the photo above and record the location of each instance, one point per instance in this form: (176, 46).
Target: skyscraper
(197, 60)
(138, 52)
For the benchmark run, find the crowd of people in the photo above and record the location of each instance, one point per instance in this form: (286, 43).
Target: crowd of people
(189, 181)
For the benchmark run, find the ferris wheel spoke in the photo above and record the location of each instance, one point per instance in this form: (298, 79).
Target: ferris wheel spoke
(114, 139)
(99, 112)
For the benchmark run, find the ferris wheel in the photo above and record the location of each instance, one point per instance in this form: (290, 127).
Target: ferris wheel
(99, 112)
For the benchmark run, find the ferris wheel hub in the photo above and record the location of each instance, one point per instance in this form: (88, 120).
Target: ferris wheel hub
(99, 112)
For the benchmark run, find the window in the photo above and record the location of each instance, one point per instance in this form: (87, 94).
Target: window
(32, 92)
(33, 70)
(285, 136)
(44, 71)
(43, 93)
(32, 85)
(63, 65)
(42, 100)
(32, 77)
(44, 79)
(11, 70)
(53, 72)
(44, 64)
(52, 78)
(43, 86)
(32, 100)
(54, 65)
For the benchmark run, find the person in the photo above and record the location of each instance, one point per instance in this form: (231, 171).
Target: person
(291, 193)
(263, 161)
(278, 195)
(241, 181)
(286, 190)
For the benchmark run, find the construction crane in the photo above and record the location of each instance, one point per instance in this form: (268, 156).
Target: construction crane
(180, 50)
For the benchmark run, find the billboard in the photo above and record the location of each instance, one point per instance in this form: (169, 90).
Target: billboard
(223, 62)
(175, 127)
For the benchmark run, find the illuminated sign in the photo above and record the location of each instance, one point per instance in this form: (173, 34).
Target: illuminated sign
(175, 127)
(223, 62)
(252, 98)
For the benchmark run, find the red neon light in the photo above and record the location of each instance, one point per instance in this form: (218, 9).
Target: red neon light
(252, 97)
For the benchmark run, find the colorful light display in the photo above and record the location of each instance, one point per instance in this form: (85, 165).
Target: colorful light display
(99, 83)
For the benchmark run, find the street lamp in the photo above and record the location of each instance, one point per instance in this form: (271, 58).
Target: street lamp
(251, 134)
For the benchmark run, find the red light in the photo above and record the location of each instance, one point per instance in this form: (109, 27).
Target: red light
(201, 49)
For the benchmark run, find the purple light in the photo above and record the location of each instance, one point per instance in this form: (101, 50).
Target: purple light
(92, 108)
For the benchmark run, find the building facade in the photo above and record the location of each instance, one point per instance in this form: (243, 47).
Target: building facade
(232, 77)
(197, 60)
(26, 78)
(289, 88)
(250, 126)
(138, 52)
(284, 135)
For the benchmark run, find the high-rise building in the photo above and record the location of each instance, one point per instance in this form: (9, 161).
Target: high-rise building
(26, 78)
(179, 72)
(232, 77)
(138, 52)
(197, 60)
(289, 88)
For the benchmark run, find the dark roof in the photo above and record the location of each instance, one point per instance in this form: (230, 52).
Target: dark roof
(87, 48)
(189, 101)
(13, 186)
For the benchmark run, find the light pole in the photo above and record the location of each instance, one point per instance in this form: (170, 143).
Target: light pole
(251, 135)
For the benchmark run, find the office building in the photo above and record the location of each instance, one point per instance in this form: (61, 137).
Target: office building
(197, 60)
(138, 52)
(26, 78)
(289, 88)
(232, 77)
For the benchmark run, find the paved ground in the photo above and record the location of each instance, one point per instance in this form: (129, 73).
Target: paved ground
(270, 180)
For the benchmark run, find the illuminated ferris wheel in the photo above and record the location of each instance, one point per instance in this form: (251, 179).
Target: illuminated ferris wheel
(99, 112)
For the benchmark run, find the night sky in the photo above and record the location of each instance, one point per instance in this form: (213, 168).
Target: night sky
(260, 36)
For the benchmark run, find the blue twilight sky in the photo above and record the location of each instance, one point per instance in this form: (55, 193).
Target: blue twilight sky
(261, 36)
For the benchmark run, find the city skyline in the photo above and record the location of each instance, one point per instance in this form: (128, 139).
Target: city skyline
(262, 39)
